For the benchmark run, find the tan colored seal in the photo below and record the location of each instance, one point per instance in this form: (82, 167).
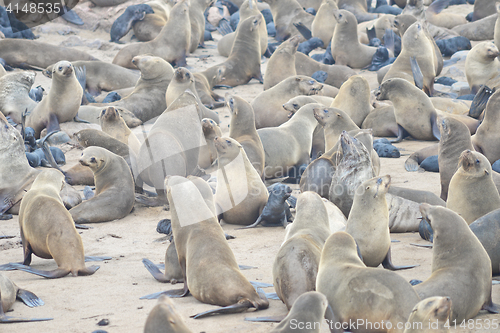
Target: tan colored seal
(346, 48)
(462, 274)
(114, 196)
(240, 195)
(281, 65)
(50, 233)
(267, 105)
(171, 44)
(190, 228)
(242, 129)
(381, 121)
(472, 192)
(14, 94)
(197, 21)
(482, 66)
(164, 317)
(149, 27)
(296, 263)
(347, 283)
(113, 124)
(61, 103)
(323, 26)
(430, 315)
(208, 154)
(487, 135)
(337, 74)
(354, 99)
(285, 14)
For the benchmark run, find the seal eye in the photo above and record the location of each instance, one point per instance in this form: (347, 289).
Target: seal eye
(92, 160)
(103, 112)
(325, 111)
(295, 106)
(60, 68)
(228, 142)
(477, 161)
(311, 82)
(340, 15)
(231, 102)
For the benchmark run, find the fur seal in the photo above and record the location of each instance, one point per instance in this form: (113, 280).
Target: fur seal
(197, 21)
(277, 211)
(382, 121)
(281, 65)
(337, 74)
(151, 25)
(237, 293)
(122, 25)
(430, 315)
(323, 26)
(205, 82)
(244, 201)
(486, 228)
(14, 95)
(61, 103)
(468, 265)
(479, 30)
(482, 9)
(472, 192)
(171, 44)
(50, 234)
(242, 129)
(267, 105)
(164, 317)
(346, 48)
(113, 124)
(334, 121)
(27, 53)
(354, 99)
(347, 283)
(173, 271)
(283, 157)
(114, 197)
(359, 8)
(103, 76)
(208, 155)
(285, 14)
(482, 66)
(296, 263)
(486, 135)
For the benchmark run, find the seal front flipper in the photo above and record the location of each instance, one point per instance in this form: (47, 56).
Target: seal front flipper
(418, 77)
(387, 263)
(402, 133)
(256, 223)
(435, 127)
(28, 298)
(304, 31)
(491, 307)
(7, 319)
(371, 33)
(479, 102)
(153, 269)
(178, 293)
(57, 273)
(224, 27)
(78, 120)
(70, 16)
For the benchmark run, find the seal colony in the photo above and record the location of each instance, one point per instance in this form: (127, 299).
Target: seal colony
(227, 154)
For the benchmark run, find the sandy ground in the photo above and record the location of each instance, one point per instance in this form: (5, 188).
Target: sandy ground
(77, 304)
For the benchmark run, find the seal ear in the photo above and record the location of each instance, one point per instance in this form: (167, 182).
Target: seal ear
(486, 172)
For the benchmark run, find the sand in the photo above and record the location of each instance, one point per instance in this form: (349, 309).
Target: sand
(77, 304)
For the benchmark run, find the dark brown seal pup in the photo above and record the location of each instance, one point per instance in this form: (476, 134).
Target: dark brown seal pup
(114, 196)
(467, 266)
(50, 232)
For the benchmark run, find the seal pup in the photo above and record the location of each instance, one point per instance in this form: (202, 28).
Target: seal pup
(368, 223)
(208, 154)
(346, 48)
(240, 195)
(354, 99)
(468, 265)
(482, 66)
(14, 95)
(122, 25)
(486, 228)
(173, 271)
(61, 103)
(50, 234)
(485, 137)
(296, 263)
(347, 283)
(268, 104)
(113, 124)
(472, 192)
(171, 44)
(114, 196)
(164, 317)
(283, 157)
(189, 228)
(242, 129)
(9, 292)
(285, 14)
(430, 315)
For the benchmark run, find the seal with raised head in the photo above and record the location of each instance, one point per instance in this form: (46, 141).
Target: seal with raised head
(281, 65)
(242, 129)
(114, 197)
(190, 227)
(467, 266)
(171, 44)
(113, 124)
(50, 232)
(472, 192)
(347, 283)
(241, 194)
(165, 318)
(267, 105)
(482, 66)
(61, 103)
(285, 14)
(122, 25)
(430, 315)
(296, 263)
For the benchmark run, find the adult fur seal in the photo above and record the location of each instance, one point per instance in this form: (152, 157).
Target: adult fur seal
(472, 192)
(347, 283)
(268, 104)
(486, 228)
(26, 53)
(14, 94)
(237, 294)
(323, 26)
(61, 103)
(50, 234)
(486, 135)
(296, 263)
(281, 65)
(240, 195)
(114, 196)
(430, 315)
(285, 14)
(346, 48)
(122, 25)
(354, 99)
(468, 265)
(242, 129)
(482, 66)
(163, 317)
(171, 44)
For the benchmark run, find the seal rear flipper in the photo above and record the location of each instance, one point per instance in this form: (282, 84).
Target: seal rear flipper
(57, 273)
(10, 266)
(53, 124)
(224, 27)
(153, 269)
(402, 133)
(491, 307)
(253, 225)
(78, 120)
(9, 319)
(387, 263)
(96, 258)
(418, 77)
(411, 165)
(88, 270)
(178, 293)
(70, 16)
(479, 102)
(28, 298)
(303, 30)
(272, 296)
(437, 6)
(81, 226)
(241, 306)
(270, 319)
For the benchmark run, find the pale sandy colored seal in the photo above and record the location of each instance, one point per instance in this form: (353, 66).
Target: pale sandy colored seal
(281, 65)
(285, 14)
(430, 315)
(482, 66)
(354, 99)
(14, 94)
(323, 25)
(164, 316)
